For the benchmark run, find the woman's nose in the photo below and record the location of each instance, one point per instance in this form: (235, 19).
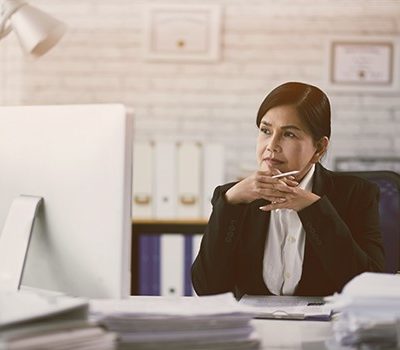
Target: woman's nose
(273, 145)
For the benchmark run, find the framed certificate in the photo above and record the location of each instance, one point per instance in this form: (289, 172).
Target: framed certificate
(182, 32)
(363, 63)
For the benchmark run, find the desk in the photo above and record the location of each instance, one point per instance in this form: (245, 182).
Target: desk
(273, 334)
(291, 334)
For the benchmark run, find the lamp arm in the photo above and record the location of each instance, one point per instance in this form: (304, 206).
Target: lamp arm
(8, 7)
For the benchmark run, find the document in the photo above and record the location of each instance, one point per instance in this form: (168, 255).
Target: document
(369, 312)
(287, 307)
(179, 323)
(41, 320)
(58, 335)
(22, 307)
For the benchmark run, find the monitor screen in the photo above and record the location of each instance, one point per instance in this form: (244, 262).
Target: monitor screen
(78, 158)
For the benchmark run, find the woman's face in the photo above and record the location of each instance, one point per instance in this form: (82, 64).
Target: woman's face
(284, 143)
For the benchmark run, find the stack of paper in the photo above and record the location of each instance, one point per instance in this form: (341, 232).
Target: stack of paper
(287, 307)
(211, 322)
(48, 321)
(369, 308)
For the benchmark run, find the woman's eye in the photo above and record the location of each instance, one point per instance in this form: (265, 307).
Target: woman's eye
(265, 131)
(289, 134)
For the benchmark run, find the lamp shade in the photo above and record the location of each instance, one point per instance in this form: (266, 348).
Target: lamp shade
(37, 31)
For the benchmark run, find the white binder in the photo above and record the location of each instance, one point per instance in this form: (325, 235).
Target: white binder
(172, 264)
(165, 180)
(189, 173)
(142, 180)
(213, 173)
(196, 242)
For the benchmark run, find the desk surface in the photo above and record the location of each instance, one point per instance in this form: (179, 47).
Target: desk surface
(291, 334)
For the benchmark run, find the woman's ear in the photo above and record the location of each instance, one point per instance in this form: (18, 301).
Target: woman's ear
(321, 147)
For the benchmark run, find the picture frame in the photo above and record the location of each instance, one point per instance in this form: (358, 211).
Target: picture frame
(366, 63)
(182, 33)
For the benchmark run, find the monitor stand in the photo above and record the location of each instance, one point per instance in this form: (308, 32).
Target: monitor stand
(14, 240)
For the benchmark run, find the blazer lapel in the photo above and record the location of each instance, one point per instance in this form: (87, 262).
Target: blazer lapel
(260, 220)
(256, 242)
(322, 184)
(322, 180)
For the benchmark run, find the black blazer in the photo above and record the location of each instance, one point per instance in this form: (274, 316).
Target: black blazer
(343, 239)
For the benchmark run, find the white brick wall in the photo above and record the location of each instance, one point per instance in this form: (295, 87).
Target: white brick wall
(264, 43)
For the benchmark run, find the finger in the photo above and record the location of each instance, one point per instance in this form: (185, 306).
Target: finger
(276, 200)
(275, 172)
(268, 207)
(270, 172)
(271, 207)
(279, 203)
(268, 176)
(271, 195)
(290, 181)
(275, 186)
(283, 187)
(267, 179)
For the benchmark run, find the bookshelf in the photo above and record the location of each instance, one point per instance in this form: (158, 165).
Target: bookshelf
(158, 226)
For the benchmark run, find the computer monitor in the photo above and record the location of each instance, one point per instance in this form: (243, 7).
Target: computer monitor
(78, 159)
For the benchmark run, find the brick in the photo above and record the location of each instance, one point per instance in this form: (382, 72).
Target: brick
(362, 144)
(317, 9)
(180, 84)
(290, 56)
(265, 41)
(396, 146)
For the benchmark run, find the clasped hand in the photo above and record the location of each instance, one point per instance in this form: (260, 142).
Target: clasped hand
(282, 193)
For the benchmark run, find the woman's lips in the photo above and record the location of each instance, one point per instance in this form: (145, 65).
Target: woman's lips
(273, 161)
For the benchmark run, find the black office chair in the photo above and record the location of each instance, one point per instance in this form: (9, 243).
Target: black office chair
(389, 210)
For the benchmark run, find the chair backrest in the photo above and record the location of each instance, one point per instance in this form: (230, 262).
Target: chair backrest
(389, 211)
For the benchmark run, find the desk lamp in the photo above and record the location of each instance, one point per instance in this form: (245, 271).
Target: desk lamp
(37, 31)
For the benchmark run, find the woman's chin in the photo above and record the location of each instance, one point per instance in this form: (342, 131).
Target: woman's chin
(265, 167)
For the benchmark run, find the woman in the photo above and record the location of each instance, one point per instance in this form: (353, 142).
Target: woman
(306, 234)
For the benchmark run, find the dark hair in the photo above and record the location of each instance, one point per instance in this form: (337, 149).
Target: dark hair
(310, 102)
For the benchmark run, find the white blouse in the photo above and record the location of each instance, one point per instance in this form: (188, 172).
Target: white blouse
(284, 247)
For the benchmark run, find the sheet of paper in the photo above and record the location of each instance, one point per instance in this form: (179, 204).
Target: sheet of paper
(182, 306)
(20, 307)
(368, 312)
(371, 284)
(280, 300)
(57, 335)
(287, 307)
(216, 322)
